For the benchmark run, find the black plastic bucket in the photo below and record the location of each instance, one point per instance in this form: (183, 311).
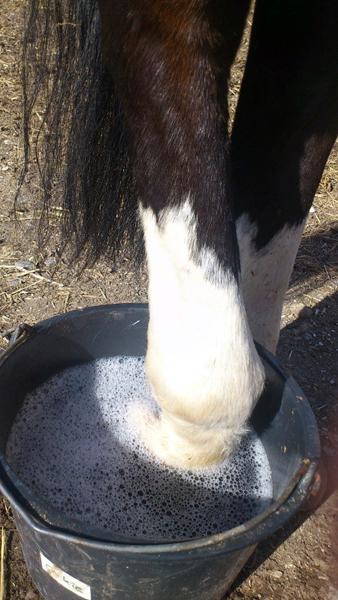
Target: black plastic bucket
(67, 562)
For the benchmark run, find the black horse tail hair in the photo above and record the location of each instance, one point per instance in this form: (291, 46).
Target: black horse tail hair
(80, 146)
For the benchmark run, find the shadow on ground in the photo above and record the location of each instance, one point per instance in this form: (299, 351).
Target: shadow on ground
(317, 254)
(311, 356)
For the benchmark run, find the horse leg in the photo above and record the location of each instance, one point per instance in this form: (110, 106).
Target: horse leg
(285, 126)
(171, 62)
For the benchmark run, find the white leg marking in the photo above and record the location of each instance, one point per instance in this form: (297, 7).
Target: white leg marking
(265, 276)
(201, 360)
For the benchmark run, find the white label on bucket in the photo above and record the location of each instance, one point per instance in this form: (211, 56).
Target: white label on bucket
(69, 582)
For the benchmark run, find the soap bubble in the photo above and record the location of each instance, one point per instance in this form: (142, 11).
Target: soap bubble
(72, 443)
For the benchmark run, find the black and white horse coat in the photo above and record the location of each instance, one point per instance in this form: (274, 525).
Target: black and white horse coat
(137, 94)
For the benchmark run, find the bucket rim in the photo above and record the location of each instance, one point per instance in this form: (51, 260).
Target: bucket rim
(245, 534)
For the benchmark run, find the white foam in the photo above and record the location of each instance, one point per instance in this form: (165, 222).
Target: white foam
(72, 443)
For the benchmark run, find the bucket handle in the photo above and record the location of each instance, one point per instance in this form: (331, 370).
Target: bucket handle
(20, 332)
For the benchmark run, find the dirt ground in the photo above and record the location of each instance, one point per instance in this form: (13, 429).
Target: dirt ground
(300, 561)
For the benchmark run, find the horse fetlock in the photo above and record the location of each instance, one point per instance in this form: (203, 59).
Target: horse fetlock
(201, 416)
(183, 444)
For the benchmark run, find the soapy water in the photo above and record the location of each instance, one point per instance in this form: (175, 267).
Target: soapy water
(73, 444)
